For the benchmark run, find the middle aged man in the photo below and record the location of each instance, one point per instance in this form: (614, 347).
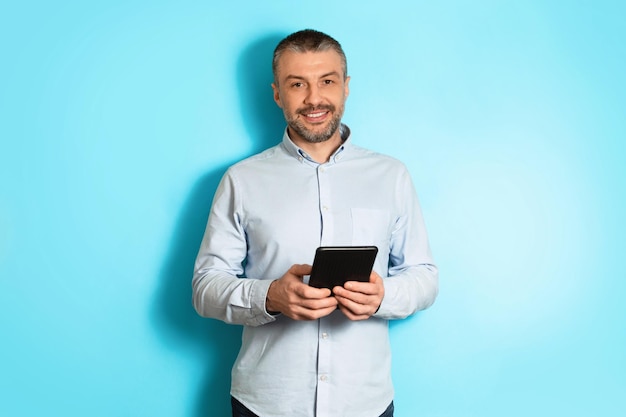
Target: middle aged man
(306, 351)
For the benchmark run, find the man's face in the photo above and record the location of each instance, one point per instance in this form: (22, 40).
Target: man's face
(311, 90)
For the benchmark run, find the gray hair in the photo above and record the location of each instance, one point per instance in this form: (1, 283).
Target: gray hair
(308, 40)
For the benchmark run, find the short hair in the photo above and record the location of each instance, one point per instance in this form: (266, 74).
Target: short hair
(308, 40)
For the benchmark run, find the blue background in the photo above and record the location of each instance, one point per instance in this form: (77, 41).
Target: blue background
(118, 118)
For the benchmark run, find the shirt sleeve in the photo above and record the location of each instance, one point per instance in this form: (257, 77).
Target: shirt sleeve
(218, 290)
(412, 283)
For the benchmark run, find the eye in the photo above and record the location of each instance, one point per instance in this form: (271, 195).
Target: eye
(328, 82)
(297, 85)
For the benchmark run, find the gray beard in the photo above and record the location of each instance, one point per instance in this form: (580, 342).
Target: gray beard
(298, 127)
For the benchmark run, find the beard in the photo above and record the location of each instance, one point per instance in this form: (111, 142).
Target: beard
(315, 137)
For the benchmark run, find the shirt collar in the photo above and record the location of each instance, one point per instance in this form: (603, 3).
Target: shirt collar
(299, 153)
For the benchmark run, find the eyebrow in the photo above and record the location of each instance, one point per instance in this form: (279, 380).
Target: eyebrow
(298, 77)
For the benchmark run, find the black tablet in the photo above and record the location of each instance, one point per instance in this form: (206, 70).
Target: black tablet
(334, 265)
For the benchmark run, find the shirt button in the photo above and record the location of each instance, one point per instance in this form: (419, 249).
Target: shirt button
(324, 335)
(324, 378)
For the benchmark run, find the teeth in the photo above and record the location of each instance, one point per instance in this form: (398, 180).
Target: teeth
(315, 114)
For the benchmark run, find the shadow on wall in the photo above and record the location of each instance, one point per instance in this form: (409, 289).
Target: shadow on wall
(263, 119)
(210, 344)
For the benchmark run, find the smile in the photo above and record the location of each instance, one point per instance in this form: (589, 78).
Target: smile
(315, 116)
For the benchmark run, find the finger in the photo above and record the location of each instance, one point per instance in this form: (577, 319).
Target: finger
(300, 269)
(355, 297)
(311, 309)
(305, 314)
(373, 287)
(362, 287)
(350, 315)
(356, 307)
(319, 304)
(306, 292)
(368, 288)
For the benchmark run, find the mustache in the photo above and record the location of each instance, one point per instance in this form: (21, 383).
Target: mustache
(313, 109)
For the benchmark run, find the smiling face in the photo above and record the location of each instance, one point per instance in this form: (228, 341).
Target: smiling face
(311, 89)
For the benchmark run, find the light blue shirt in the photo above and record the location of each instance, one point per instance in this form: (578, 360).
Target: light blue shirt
(273, 210)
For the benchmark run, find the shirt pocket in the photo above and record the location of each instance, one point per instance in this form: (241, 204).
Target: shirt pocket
(370, 227)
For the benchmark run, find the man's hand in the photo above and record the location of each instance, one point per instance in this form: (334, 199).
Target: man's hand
(290, 296)
(360, 300)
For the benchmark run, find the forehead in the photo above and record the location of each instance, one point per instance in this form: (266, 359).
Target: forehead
(308, 64)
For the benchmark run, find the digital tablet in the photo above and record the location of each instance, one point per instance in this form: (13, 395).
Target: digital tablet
(334, 265)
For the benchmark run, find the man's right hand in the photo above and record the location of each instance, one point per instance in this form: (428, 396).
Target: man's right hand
(295, 299)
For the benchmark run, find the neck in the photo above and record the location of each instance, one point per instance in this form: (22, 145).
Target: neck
(319, 151)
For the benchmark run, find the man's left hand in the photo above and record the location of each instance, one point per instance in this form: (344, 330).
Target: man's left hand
(360, 300)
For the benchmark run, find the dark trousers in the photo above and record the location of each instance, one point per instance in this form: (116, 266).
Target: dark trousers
(240, 410)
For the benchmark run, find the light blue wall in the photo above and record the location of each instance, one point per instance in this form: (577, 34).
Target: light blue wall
(118, 118)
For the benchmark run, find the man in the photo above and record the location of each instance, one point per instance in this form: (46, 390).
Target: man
(306, 351)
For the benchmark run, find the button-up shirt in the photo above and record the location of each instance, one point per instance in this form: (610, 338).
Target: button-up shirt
(273, 210)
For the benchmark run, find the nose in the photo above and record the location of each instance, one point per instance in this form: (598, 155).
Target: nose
(313, 96)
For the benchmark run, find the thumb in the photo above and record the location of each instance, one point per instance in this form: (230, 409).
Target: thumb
(300, 270)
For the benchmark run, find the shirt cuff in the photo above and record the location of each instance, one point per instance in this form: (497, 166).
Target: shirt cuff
(258, 298)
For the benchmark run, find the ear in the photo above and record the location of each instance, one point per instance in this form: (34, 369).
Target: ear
(346, 92)
(277, 95)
